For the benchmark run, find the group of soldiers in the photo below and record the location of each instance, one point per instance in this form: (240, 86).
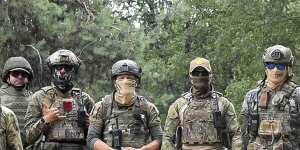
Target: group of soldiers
(62, 117)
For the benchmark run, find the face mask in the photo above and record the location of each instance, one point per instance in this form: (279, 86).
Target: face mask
(200, 84)
(125, 90)
(62, 78)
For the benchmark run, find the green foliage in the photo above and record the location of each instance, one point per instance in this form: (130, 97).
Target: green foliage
(162, 36)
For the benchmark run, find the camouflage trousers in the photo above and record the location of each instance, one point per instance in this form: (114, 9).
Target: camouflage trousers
(57, 146)
(63, 146)
(201, 147)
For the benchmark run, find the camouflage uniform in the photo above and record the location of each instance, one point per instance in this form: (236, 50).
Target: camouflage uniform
(65, 134)
(271, 117)
(10, 138)
(191, 118)
(138, 123)
(14, 98)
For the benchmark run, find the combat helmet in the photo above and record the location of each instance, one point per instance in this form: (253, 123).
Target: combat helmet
(16, 63)
(63, 57)
(278, 54)
(126, 66)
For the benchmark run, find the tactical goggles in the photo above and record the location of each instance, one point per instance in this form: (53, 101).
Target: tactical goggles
(271, 66)
(67, 68)
(19, 73)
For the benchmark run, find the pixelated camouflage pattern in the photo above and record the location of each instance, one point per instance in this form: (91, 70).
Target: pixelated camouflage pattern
(10, 138)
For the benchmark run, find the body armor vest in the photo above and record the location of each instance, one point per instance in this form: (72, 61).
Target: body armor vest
(273, 121)
(130, 120)
(17, 101)
(197, 121)
(67, 130)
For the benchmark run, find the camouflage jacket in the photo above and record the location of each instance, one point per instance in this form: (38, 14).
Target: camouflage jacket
(99, 122)
(17, 101)
(277, 107)
(174, 120)
(10, 138)
(34, 126)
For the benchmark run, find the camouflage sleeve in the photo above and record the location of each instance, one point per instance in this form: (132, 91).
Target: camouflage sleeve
(232, 124)
(171, 124)
(243, 117)
(295, 121)
(96, 125)
(88, 102)
(154, 124)
(34, 127)
(13, 137)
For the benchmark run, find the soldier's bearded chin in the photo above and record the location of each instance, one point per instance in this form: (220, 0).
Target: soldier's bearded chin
(125, 91)
(200, 84)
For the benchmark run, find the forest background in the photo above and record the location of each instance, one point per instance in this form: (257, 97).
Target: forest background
(162, 36)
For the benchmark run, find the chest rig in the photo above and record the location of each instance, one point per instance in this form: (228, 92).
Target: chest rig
(69, 129)
(269, 115)
(126, 126)
(197, 120)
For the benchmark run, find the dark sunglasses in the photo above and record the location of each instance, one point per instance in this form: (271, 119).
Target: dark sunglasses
(271, 66)
(199, 73)
(19, 73)
(66, 67)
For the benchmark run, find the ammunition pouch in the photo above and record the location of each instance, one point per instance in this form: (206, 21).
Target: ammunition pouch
(116, 139)
(81, 118)
(253, 123)
(270, 129)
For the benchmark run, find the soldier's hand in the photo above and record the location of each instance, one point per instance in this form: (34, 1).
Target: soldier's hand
(51, 114)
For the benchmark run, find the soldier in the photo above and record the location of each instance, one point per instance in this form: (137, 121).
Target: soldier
(10, 138)
(123, 119)
(16, 76)
(56, 118)
(201, 118)
(270, 112)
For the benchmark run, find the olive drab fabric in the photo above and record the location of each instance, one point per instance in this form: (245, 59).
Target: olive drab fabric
(277, 126)
(10, 138)
(17, 101)
(16, 63)
(139, 122)
(65, 131)
(195, 118)
(132, 122)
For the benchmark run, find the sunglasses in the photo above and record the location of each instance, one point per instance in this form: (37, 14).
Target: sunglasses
(67, 68)
(271, 66)
(199, 73)
(19, 73)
